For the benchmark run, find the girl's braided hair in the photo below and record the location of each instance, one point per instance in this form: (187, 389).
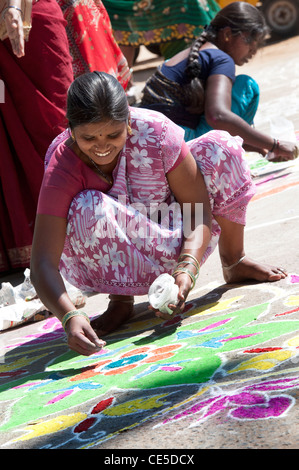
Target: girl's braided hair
(239, 17)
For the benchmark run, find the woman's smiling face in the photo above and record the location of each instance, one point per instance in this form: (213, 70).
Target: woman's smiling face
(101, 141)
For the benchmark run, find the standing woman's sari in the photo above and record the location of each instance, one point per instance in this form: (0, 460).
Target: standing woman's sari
(91, 42)
(32, 114)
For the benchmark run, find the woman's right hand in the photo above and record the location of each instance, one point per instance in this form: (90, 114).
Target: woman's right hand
(14, 27)
(183, 282)
(284, 151)
(81, 337)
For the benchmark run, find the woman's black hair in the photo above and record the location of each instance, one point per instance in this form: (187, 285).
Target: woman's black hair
(240, 17)
(95, 97)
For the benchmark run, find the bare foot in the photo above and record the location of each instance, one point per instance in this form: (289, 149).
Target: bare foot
(119, 310)
(248, 269)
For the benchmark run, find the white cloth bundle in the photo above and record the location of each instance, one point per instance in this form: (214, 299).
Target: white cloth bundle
(18, 304)
(162, 292)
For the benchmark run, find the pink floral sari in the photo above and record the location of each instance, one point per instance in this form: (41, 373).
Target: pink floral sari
(113, 246)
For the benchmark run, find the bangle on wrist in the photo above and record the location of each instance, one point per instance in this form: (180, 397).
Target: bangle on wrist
(187, 255)
(185, 271)
(71, 314)
(184, 264)
(182, 267)
(11, 6)
(275, 145)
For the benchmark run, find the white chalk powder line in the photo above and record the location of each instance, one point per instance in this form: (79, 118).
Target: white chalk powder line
(273, 222)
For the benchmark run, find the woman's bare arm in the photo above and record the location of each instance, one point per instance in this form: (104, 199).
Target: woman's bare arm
(218, 115)
(48, 243)
(188, 186)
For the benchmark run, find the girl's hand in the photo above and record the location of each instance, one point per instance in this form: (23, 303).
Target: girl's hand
(14, 27)
(285, 151)
(81, 336)
(184, 283)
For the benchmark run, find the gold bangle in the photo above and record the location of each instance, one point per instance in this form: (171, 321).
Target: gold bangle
(186, 271)
(184, 264)
(71, 314)
(184, 255)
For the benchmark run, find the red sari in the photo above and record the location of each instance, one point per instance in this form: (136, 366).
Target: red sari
(91, 41)
(32, 115)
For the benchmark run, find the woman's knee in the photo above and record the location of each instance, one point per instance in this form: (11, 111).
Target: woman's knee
(221, 159)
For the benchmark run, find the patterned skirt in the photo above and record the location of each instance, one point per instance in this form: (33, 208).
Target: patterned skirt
(111, 247)
(159, 21)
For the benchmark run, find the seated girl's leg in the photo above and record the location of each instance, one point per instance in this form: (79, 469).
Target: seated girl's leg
(227, 176)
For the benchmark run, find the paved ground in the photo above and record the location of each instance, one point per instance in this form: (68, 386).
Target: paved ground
(223, 375)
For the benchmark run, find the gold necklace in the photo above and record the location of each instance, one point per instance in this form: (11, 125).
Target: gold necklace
(106, 177)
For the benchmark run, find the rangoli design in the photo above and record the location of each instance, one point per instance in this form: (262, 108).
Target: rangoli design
(214, 359)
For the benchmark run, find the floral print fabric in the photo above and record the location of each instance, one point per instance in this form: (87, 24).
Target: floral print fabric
(121, 241)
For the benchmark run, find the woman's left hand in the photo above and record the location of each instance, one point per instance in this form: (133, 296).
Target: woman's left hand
(184, 282)
(14, 27)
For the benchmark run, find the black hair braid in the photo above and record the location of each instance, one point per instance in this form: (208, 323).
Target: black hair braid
(194, 91)
(239, 17)
(193, 68)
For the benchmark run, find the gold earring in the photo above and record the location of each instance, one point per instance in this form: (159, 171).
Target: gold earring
(72, 135)
(129, 128)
